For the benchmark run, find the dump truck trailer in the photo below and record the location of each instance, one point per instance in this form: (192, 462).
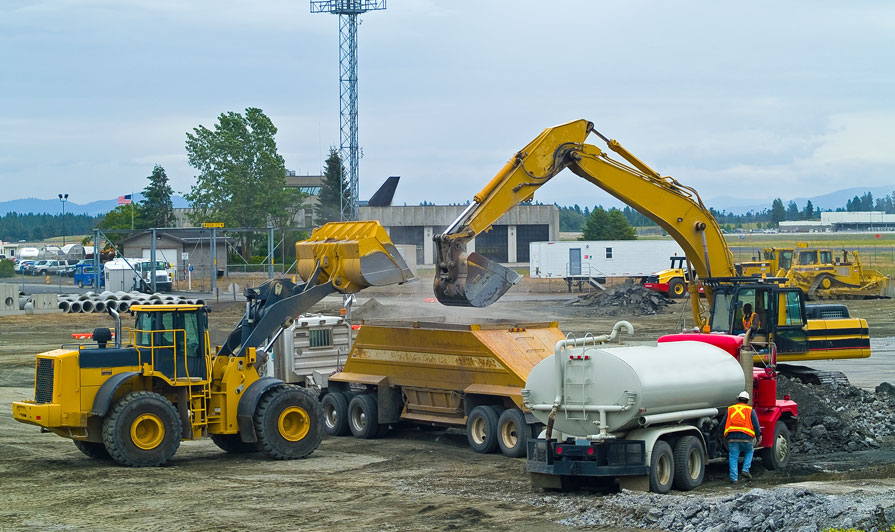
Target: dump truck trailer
(440, 374)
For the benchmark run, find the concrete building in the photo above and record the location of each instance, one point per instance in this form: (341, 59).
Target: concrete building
(843, 221)
(507, 241)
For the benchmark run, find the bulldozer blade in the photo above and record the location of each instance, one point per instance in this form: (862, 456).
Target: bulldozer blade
(479, 283)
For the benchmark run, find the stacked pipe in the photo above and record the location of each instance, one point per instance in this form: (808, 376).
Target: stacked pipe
(119, 301)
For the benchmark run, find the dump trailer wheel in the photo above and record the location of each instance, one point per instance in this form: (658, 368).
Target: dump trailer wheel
(512, 433)
(661, 468)
(335, 414)
(363, 417)
(92, 449)
(777, 455)
(289, 423)
(233, 444)
(677, 288)
(142, 430)
(689, 463)
(481, 429)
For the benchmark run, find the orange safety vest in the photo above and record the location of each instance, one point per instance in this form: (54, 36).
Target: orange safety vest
(748, 323)
(739, 418)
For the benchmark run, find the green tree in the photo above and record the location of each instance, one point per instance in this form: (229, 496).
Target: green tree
(120, 218)
(157, 207)
(333, 192)
(611, 225)
(778, 211)
(808, 212)
(792, 211)
(241, 176)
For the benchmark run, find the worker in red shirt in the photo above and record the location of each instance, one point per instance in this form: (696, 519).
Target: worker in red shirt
(740, 428)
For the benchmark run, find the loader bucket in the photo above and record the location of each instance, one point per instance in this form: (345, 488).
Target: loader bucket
(479, 282)
(353, 255)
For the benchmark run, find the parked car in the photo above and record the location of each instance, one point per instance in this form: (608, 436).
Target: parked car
(36, 268)
(70, 270)
(84, 275)
(22, 264)
(55, 267)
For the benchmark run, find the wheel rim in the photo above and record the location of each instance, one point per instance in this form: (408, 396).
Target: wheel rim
(478, 430)
(358, 419)
(294, 423)
(678, 289)
(509, 433)
(781, 448)
(826, 283)
(694, 464)
(664, 470)
(147, 431)
(331, 416)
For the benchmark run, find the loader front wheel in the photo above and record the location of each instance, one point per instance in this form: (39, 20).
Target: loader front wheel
(289, 423)
(233, 444)
(142, 430)
(92, 449)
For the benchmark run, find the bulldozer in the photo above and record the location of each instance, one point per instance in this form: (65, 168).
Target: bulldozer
(135, 401)
(822, 273)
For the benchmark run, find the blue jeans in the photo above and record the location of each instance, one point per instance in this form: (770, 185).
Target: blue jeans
(735, 447)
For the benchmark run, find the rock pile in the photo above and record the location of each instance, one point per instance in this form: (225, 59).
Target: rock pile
(626, 299)
(834, 418)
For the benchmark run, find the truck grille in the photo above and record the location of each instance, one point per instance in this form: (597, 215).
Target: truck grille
(43, 381)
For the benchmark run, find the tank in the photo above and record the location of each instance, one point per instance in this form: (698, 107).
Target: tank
(636, 381)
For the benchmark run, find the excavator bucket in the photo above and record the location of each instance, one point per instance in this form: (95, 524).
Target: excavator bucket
(476, 282)
(352, 255)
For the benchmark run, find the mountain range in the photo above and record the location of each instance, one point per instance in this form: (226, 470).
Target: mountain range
(54, 206)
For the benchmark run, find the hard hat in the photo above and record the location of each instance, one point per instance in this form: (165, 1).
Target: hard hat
(744, 396)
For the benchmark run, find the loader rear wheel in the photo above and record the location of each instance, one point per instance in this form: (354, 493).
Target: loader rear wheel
(92, 449)
(689, 463)
(481, 429)
(363, 417)
(142, 430)
(677, 288)
(512, 432)
(289, 423)
(232, 443)
(335, 414)
(661, 468)
(777, 455)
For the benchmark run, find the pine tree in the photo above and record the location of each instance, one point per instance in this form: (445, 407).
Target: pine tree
(334, 192)
(157, 208)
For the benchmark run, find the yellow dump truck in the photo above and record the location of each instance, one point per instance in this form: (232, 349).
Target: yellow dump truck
(440, 374)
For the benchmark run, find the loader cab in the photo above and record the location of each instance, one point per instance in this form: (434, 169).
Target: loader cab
(780, 311)
(174, 340)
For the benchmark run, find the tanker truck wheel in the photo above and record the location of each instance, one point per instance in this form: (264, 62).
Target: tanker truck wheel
(363, 417)
(512, 432)
(777, 455)
(335, 414)
(661, 468)
(142, 430)
(481, 429)
(289, 423)
(689, 463)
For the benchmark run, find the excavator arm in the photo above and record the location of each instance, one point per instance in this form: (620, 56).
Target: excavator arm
(472, 280)
(343, 257)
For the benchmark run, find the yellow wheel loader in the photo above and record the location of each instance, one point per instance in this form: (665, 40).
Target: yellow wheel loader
(135, 401)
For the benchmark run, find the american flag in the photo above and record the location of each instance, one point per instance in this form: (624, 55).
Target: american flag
(124, 200)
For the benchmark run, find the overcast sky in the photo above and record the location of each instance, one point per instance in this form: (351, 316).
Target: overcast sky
(753, 99)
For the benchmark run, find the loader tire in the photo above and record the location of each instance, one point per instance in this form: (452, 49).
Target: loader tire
(512, 433)
(677, 288)
(363, 417)
(289, 423)
(777, 455)
(94, 450)
(335, 414)
(481, 429)
(142, 430)
(233, 444)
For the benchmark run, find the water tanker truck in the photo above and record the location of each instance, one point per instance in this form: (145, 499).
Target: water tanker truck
(646, 416)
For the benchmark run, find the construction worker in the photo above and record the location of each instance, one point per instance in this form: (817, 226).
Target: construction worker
(750, 319)
(741, 428)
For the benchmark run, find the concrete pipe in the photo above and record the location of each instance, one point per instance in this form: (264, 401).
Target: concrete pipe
(107, 294)
(22, 301)
(200, 302)
(122, 305)
(75, 307)
(124, 296)
(29, 305)
(84, 297)
(87, 306)
(65, 306)
(99, 306)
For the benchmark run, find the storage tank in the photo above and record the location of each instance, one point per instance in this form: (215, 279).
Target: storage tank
(631, 384)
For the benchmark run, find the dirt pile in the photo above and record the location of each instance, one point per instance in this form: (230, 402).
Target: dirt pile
(626, 299)
(835, 417)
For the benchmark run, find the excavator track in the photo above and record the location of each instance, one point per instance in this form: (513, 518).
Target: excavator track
(813, 376)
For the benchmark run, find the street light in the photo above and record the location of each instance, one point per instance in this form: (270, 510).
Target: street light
(63, 198)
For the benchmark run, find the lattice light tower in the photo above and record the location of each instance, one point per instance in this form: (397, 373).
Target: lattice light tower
(348, 11)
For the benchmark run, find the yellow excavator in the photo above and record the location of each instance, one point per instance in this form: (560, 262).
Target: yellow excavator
(470, 279)
(135, 401)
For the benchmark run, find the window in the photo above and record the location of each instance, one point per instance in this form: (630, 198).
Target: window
(807, 257)
(826, 257)
(721, 312)
(793, 309)
(608, 253)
